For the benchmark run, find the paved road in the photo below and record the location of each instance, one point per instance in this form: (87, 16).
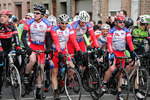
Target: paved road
(7, 95)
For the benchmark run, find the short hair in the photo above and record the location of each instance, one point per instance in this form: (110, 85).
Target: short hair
(95, 27)
(124, 12)
(99, 22)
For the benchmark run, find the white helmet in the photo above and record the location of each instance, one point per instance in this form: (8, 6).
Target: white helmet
(76, 18)
(145, 19)
(30, 14)
(47, 12)
(52, 20)
(105, 26)
(84, 16)
(63, 17)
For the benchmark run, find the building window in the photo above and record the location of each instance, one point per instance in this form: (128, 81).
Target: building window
(63, 6)
(9, 6)
(4, 6)
(28, 7)
(114, 7)
(46, 6)
(0, 7)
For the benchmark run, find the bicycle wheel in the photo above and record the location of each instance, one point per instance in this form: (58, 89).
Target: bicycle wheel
(123, 83)
(15, 82)
(39, 76)
(73, 86)
(95, 82)
(143, 83)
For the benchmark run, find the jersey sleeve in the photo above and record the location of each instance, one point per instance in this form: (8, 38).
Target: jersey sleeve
(93, 37)
(26, 26)
(129, 40)
(109, 42)
(56, 40)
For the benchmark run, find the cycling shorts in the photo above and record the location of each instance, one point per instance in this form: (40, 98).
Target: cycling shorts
(119, 54)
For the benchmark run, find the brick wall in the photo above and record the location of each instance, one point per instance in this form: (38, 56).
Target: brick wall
(126, 5)
(145, 7)
(104, 10)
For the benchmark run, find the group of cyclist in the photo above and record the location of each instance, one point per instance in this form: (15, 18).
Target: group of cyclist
(39, 31)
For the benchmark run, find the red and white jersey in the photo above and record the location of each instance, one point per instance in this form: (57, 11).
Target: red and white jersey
(116, 39)
(64, 36)
(80, 31)
(37, 30)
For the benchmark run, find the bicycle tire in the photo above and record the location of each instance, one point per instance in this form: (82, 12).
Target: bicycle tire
(42, 86)
(125, 83)
(73, 85)
(96, 83)
(15, 82)
(143, 83)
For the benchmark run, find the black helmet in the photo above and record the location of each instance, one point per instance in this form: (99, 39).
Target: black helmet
(128, 22)
(39, 7)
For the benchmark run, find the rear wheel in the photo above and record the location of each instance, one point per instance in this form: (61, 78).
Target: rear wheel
(142, 82)
(73, 86)
(15, 82)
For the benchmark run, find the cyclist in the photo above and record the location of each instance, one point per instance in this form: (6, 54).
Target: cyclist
(46, 14)
(8, 32)
(39, 31)
(80, 27)
(65, 33)
(140, 31)
(116, 40)
(52, 20)
(101, 35)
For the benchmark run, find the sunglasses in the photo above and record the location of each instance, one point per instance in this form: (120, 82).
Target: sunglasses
(37, 13)
(120, 21)
(64, 23)
(27, 18)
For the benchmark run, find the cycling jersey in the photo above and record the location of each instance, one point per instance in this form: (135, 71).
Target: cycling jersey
(79, 32)
(116, 39)
(37, 30)
(64, 36)
(6, 33)
(138, 32)
(101, 40)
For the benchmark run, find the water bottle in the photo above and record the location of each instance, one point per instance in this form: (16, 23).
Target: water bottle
(62, 70)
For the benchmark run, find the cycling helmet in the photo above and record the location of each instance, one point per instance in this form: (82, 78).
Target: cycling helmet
(84, 16)
(52, 20)
(63, 17)
(76, 18)
(145, 19)
(128, 22)
(39, 7)
(30, 14)
(105, 26)
(6, 12)
(120, 17)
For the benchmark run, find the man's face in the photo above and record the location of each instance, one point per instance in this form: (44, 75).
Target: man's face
(104, 32)
(92, 23)
(63, 25)
(121, 12)
(120, 24)
(4, 19)
(148, 27)
(99, 25)
(37, 14)
(82, 24)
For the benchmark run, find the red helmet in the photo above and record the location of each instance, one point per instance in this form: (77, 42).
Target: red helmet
(120, 17)
(6, 12)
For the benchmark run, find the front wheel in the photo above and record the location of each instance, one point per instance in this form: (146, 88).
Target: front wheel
(39, 84)
(15, 82)
(141, 80)
(73, 86)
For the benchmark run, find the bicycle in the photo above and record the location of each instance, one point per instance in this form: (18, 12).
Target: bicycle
(71, 78)
(115, 82)
(90, 76)
(35, 73)
(11, 75)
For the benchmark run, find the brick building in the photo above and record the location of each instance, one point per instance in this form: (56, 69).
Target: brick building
(98, 9)
(17, 7)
